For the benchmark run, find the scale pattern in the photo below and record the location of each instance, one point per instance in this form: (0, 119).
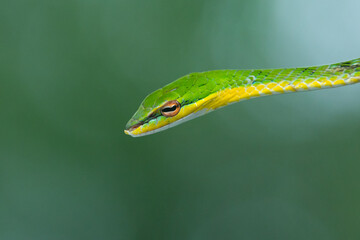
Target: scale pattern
(236, 85)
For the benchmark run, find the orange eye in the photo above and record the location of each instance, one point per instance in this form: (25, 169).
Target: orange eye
(170, 108)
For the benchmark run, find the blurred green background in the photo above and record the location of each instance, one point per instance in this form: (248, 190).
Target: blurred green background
(74, 71)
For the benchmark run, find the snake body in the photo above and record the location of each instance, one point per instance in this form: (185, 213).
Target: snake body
(199, 93)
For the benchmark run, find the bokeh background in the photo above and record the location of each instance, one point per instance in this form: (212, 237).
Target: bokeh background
(73, 72)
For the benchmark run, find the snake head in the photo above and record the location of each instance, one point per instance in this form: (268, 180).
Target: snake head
(169, 106)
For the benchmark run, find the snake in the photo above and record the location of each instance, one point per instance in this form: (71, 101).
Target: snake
(199, 93)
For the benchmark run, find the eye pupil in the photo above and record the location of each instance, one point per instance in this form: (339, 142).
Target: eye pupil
(169, 109)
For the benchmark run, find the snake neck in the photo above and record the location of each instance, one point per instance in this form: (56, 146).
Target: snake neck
(229, 86)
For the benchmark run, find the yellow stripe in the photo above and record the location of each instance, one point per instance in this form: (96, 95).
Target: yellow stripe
(227, 96)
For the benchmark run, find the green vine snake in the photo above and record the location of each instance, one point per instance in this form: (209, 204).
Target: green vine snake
(199, 93)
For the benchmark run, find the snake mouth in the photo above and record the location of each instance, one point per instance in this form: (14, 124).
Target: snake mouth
(130, 131)
(145, 129)
(132, 128)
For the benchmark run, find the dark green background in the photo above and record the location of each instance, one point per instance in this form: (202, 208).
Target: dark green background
(73, 72)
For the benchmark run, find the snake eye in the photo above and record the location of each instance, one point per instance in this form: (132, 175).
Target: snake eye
(170, 108)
